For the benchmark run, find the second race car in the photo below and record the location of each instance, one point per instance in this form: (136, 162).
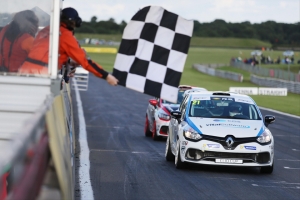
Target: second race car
(158, 113)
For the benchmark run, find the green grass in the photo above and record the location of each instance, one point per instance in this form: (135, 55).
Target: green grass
(116, 37)
(246, 75)
(289, 104)
(228, 42)
(195, 41)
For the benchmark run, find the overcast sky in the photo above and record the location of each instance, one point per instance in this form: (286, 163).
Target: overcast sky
(255, 11)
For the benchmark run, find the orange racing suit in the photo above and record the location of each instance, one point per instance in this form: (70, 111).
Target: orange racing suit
(37, 60)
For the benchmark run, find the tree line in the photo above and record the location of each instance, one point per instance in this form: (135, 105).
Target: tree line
(278, 34)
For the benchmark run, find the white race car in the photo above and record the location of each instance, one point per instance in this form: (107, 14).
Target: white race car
(158, 114)
(220, 128)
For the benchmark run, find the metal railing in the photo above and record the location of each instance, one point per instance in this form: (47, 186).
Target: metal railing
(267, 72)
(219, 73)
(291, 86)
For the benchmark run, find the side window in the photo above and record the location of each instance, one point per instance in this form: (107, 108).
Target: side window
(253, 113)
(183, 102)
(183, 108)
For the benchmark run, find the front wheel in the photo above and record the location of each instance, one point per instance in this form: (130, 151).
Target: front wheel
(154, 134)
(147, 130)
(267, 169)
(168, 153)
(178, 163)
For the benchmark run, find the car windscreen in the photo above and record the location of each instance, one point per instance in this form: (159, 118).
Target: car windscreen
(223, 108)
(179, 98)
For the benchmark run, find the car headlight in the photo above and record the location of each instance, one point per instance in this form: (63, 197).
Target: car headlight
(164, 116)
(265, 137)
(190, 134)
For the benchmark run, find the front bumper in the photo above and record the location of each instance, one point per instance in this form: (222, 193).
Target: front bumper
(162, 127)
(212, 153)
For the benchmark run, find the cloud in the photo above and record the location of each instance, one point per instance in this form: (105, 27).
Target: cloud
(282, 4)
(109, 10)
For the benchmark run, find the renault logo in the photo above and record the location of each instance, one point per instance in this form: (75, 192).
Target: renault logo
(229, 141)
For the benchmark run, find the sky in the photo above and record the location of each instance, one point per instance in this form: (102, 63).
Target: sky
(205, 11)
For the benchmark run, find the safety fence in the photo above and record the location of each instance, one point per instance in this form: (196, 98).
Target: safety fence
(267, 72)
(291, 86)
(219, 73)
(82, 79)
(37, 158)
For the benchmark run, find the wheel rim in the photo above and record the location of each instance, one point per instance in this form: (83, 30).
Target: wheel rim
(167, 147)
(154, 129)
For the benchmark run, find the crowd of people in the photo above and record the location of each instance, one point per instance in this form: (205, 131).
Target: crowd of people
(255, 60)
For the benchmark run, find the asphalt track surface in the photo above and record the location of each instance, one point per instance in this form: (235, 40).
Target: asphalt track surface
(124, 164)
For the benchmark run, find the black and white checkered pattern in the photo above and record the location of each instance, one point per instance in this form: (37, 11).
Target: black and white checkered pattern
(153, 51)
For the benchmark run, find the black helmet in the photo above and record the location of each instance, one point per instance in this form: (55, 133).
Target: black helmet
(235, 109)
(71, 14)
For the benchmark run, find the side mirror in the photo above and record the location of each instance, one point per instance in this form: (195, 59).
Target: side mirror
(176, 114)
(269, 119)
(153, 102)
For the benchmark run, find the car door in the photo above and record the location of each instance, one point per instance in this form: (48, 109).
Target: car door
(151, 114)
(177, 123)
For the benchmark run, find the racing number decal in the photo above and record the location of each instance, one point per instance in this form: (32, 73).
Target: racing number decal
(196, 102)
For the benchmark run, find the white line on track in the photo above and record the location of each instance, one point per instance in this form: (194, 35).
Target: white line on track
(290, 168)
(86, 190)
(289, 160)
(282, 113)
(295, 149)
(277, 186)
(286, 136)
(224, 178)
(270, 182)
(117, 151)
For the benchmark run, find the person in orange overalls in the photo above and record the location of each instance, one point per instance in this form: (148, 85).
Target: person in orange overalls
(16, 40)
(37, 60)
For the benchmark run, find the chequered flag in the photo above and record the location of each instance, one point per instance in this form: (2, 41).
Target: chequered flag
(153, 51)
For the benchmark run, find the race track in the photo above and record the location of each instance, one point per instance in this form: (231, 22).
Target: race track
(124, 164)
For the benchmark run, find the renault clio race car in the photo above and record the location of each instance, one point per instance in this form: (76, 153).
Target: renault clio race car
(220, 128)
(158, 113)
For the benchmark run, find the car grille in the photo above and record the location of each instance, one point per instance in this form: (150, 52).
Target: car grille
(222, 140)
(164, 130)
(195, 154)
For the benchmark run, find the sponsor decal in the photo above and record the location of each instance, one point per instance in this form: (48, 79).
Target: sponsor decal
(223, 120)
(241, 146)
(184, 143)
(219, 120)
(250, 147)
(234, 121)
(204, 147)
(200, 98)
(230, 125)
(182, 150)
(244, 101)
(227, 99)
(215, 146)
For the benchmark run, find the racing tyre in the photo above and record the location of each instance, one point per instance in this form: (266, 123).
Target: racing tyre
(154, 135)
(267, 170)
(178, 163)
(147, 131)
(168, 153)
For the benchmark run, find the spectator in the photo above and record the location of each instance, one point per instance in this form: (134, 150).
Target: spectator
(37, 61)
(16, 40)
(292, 59)
(278, 60)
